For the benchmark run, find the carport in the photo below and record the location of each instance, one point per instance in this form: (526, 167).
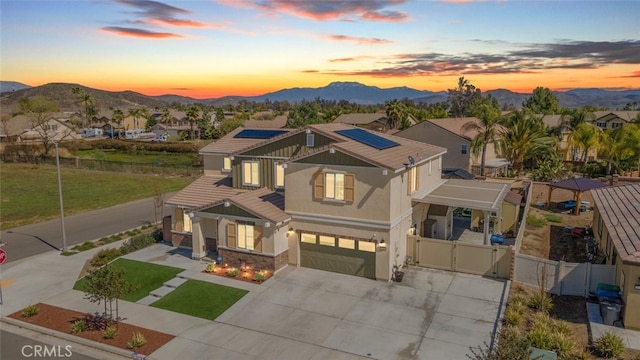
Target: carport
(479, 195)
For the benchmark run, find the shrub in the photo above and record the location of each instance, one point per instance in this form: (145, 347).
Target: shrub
(87, 245)
(110, 332)
(141, 241)
(78, 326)
(233, 272)
(512, 345)
(157, 235)
(210, 267)
(536, 221)
(30, 311)
(104, 256)
(513, 317)
(609, 346)
(540, 302)
(553, 218)
(259, 276)
(136, 341)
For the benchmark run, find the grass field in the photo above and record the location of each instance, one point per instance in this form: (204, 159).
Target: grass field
(29, 193)
(147, 157)
(146, 276)
(199, 298)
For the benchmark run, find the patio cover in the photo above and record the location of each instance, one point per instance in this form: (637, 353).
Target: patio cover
(577, 186)
(480, 195)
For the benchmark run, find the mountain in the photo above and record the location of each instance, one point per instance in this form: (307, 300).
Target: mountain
(336, 91)
(7, 86)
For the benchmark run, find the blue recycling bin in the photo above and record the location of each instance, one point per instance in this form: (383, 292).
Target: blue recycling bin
(497, 239)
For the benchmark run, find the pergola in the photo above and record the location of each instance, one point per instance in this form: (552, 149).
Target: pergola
(577, 186)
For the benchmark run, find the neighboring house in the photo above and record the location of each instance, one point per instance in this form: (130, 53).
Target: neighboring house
(616, 227)
(449, 134)
(21, 129)
(278, 122)
(372, 121)
(348, 206)
(613, 119)
(173, 132)
(567, 151)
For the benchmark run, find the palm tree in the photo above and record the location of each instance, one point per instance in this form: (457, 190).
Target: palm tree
(135, 113)
(489, 119)
(619, 145)
(523, 137)
(585, 137)
(192, 116)
(396, 113)
(118, 118)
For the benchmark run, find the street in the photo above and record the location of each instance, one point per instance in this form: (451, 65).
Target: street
(34, 239)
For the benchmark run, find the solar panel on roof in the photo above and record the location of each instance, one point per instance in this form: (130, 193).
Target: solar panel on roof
(368, 138)
(258, 134)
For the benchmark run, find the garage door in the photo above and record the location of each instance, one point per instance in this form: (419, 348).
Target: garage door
(332, 253)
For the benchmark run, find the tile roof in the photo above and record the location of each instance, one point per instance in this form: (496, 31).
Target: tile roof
(627, 116)
(279, 121)
(619, 207)
(204, 190)
(454, 125)
(228, 144)
(265, 203)
(393, 158)
(360, 119)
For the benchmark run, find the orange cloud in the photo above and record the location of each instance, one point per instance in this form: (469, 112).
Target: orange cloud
(358, 40)
(139, 33)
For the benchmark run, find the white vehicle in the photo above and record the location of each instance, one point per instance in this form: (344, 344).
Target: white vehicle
(92, 132)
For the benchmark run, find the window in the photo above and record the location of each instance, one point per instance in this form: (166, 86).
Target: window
(367, 246)
(601, 124)
(334, 186)
(250, 173)
(327, 240)
(311, 139)
(615, 125)
(346, 243)
(245, 236)
(464, 150)
(186, 221)
(279, 175)
(308, 238)
(226, 164)
(412, 180)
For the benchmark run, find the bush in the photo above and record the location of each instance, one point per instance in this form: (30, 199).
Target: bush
(541, 302)
(609, 346)
(110, 332)
(78, 326)
(87, 245)
(259, 276)
(157, 235)
(536, 221)
(104, 256)
(233, 272)
(30, 311)
(553, 218)
(513, 317)
(141, 241)
(137, 340)
(210, 267)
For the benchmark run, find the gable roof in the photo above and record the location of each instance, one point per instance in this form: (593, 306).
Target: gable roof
(578, 184)
(264, 203)
(204, 190)
(393, 158)
(278, 122)
(360, 118)
(619, 207)
(627, 116)
(229, 144)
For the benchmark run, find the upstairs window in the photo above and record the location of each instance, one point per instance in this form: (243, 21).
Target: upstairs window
(250, 173)
(412, 181)
(226, 164)
(311, 140)
(615, 125)
(601, 124)
(464, 150)
(279, 176)
(334, 186)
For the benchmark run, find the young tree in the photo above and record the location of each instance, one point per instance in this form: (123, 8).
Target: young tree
(107, 284)
(542, 101)
(40, 111)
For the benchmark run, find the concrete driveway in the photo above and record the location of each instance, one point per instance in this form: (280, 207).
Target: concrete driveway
(311, 314)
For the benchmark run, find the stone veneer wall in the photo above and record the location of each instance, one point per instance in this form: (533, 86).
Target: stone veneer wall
(181, 239)
(255, 260)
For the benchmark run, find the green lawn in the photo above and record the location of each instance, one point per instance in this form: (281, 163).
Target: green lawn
(199, 298)
(147, 276)
(146, 157)
(30, 192)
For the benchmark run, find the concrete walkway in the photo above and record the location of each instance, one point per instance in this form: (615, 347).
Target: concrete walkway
(299, 313)
(599, 328)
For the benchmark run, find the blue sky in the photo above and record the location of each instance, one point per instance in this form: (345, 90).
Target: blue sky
(250, 47)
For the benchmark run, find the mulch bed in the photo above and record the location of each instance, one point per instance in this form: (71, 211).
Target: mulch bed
(246, 276)
(60, 319)
(565, 247)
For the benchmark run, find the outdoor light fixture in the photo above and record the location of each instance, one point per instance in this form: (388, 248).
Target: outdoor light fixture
(332, 151)
(385, 172)
(382, 246)
(227, 204)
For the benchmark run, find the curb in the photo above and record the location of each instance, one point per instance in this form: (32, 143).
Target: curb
(127, 354)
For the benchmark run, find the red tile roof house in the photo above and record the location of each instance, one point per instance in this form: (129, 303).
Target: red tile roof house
(328, 196)
(616, 227)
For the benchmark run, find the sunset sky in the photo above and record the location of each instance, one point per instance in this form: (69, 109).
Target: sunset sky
(214, 48)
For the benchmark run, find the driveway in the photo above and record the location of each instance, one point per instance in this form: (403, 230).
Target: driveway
(311, 314)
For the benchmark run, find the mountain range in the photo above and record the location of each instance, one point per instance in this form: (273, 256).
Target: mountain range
(353, 92)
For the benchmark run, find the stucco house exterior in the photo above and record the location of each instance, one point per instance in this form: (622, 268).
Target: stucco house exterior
(613, 119)
(449, 133)
(616, 228)
(329, 196)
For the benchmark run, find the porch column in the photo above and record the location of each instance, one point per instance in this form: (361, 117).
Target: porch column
(198, 249)
(487, 236)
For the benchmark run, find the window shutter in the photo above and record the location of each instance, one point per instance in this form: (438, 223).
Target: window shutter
(418, 177)
(349, 187)
(318, 186)
(178, 215)
(257, 238)
(231, 235)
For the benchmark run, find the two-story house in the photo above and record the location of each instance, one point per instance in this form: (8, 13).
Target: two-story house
(450, 134)
(616, 227)
(330, 196)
